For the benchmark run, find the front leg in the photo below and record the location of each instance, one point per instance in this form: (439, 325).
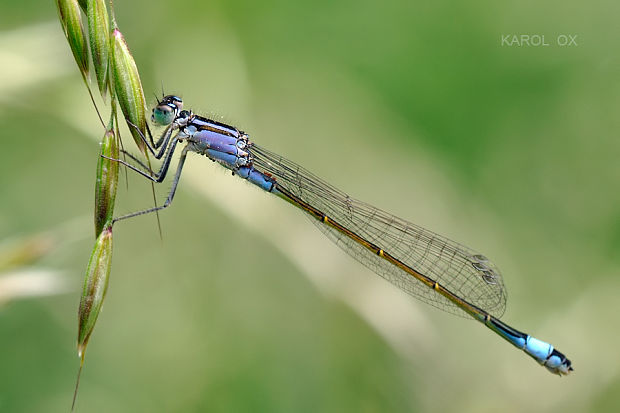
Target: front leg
(163, 170)
(173, 190)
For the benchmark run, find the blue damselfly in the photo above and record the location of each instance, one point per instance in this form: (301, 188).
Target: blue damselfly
(431, 267)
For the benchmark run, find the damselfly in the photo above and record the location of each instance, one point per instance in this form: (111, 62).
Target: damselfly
(426, 265)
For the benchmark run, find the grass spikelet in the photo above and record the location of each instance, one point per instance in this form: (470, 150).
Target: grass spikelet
(99, 38)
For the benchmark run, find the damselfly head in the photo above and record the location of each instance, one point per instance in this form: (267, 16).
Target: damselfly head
(167, 110)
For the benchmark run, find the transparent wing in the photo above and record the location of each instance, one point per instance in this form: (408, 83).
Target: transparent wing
(463, 271)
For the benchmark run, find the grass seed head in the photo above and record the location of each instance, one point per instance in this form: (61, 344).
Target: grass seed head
(71, 21)
(99, 37)
(95, 287)
(107, 181)
(128, 87)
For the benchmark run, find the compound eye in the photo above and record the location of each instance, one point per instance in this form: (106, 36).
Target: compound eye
(176, 101)
(172, 101)
(163, 114)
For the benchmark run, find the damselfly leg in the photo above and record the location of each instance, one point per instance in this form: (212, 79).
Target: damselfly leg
(158, 178)
(166, 112)
(154, 146)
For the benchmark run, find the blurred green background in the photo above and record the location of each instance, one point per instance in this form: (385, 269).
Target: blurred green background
(416, 108)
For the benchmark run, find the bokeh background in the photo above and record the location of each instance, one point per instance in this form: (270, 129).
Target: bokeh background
(415, 107)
